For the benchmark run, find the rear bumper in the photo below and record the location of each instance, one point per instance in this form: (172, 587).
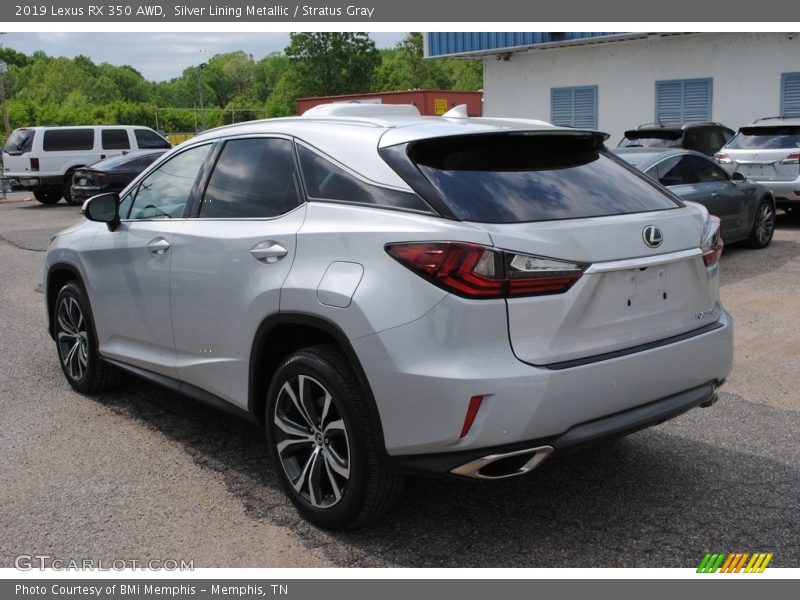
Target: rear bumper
(787, 193)
(30, 182)
(423, 374)
(501, 462)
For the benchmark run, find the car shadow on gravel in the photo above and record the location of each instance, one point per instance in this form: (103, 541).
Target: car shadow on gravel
(659, 498)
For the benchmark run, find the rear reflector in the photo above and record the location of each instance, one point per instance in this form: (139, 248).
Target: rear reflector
(476, 271)
(472, 412)
(34, 164)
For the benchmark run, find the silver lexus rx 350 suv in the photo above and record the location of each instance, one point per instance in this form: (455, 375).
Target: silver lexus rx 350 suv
(388, 294)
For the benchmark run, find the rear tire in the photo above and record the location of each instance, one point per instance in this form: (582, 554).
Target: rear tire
(324, 449)
(48, 194)
(76, 343)
(763, 225)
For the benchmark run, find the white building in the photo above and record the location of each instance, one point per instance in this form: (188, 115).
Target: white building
(616, 81)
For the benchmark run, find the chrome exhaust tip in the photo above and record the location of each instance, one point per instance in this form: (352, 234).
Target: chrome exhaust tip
(504, 465)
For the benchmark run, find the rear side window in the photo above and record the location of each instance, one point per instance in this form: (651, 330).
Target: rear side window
(510, 178)
(68, 139)
(674, 171)
(326, 181)
(252, 178)
(19, 142)
(146, 139)
(766, 138)
(115, 139)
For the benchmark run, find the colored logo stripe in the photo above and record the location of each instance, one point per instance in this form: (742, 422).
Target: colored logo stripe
(734, 562)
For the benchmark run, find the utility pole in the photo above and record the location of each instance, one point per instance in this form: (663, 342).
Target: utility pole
(6, 124)
(200, 92)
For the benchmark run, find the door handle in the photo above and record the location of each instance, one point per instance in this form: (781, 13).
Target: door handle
(158, 246)
(268, 252)
(714, 194)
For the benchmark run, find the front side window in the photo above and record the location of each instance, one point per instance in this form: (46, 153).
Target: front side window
(707, 171)
(253, 178)
(147, 139)
(163, 194)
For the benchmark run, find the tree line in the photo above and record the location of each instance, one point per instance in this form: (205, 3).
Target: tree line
(51, 90)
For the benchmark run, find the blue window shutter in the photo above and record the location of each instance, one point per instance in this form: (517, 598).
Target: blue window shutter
(574, 106)
(790, 95)
(683, 100)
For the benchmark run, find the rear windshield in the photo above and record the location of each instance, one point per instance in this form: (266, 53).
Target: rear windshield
(766, 138)
(513, 178)
(19, 142)
(651, 139)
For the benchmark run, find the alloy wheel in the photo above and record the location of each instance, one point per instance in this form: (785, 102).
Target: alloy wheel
(765, 223)
(312, 441)
(72, 338)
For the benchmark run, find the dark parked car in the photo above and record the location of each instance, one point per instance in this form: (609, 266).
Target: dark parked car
(705, 138)
(746, 209)
(110, 174)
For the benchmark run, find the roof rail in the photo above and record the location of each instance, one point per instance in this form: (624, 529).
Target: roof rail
(767, 119)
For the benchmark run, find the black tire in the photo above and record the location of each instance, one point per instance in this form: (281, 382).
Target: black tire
(76, 343)
(67, 192)
(763, 225)
(324, 446)
(48, 195)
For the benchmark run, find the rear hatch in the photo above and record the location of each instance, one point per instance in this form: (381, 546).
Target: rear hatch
(764, 153)
(624, 255)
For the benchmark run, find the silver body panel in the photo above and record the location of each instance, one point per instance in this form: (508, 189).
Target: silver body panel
(191, 312)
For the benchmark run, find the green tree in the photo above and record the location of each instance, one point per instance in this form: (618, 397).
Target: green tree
(327, 63)
(228, 76)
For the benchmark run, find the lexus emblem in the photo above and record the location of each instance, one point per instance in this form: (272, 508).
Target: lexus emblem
(652, 236)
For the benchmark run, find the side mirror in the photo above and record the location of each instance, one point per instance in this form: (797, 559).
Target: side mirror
(737, 177)
(103, 208)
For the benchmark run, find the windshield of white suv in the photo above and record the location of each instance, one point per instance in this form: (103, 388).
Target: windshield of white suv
(766, 138)
(513, 178)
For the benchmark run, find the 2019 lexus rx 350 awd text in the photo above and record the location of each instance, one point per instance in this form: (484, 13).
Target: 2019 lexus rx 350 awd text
(388, 293)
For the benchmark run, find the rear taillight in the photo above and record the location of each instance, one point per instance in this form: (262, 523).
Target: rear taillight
(792, 159)
(34, 164)
(476, 271)
(723, 158)
(712, 243)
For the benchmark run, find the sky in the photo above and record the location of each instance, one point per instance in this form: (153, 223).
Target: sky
(159, 56)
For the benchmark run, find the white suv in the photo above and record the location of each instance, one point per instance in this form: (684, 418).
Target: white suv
(388, 293)
(768, 152)
(43, 159)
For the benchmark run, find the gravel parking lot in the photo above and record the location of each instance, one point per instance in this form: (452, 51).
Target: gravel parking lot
(145, 474)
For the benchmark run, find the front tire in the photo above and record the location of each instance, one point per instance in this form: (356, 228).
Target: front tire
(321, 442)
(763, 225)
(67, 191)
(76, 342)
